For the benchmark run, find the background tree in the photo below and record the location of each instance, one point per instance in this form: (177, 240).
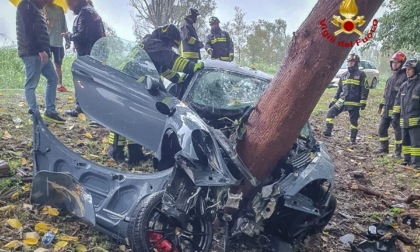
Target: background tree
(311, 62)
(150, 14)
(399, 26)
(238, 30)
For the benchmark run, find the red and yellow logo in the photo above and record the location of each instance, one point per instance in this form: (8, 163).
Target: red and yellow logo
(349, 22)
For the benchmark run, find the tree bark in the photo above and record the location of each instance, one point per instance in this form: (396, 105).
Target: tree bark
(311, 62)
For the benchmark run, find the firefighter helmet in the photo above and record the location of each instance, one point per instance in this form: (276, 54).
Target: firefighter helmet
(399, 56)
(192, 12)
(413, 63)
(353, 57)
(170, 34)
(213, 20)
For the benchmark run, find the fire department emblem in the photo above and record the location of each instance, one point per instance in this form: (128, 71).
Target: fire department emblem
(350, 23)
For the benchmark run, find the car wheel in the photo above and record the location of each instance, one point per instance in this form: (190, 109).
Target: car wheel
(374, 83)
(150, 230)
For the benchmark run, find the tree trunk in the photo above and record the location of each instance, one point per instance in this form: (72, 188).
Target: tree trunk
(311, 62)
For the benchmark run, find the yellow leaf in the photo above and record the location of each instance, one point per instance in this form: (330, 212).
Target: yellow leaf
(23, 161)
(60, 245)
(387, 193)
(417, 175)
(50, 211)
(88, 135)
(14, 223)
(6, 135)
(70, 98)
(12, 244)
(81, 117)
(31, 238)
(14, 196)
(67, 238)
(7, 208)
(350, 150)
(80, 248)
(43, 227)
(26, 187)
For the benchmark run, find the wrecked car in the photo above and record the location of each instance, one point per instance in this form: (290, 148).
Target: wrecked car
(192, 131)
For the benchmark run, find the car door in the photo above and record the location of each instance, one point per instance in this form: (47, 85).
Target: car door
(368, 71)
(117, 98)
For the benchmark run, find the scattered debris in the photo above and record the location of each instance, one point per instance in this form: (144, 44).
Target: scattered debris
(4, 169)
(347, 239)
(411, 222)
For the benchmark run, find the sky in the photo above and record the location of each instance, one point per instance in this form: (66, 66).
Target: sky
(117, 13)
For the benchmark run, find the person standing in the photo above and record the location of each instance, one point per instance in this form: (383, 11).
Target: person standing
(351, 96)
(407, 107)
(34, 49)
(219, 43)
(57, 25)
(392, 87)
(190, 44)
(87, 29)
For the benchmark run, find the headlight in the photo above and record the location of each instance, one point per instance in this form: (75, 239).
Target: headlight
(204, 148)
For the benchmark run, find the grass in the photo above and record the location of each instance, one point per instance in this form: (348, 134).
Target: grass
(12, 71)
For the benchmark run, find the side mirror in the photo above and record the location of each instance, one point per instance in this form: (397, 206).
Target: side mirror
(152, 85)
(361, 68)
(164, 109)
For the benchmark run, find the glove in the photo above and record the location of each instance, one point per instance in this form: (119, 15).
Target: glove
(210, 51)
(198, 66)
(331, 104)
(362, 106)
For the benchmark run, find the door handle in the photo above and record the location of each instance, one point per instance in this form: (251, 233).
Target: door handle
(83, 74)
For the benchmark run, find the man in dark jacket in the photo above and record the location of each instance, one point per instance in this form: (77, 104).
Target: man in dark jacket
(190, 44)
(34, 49)
(386, 106)
(158, 46)
(219, 44)
(87, 29)
(407, 109)
(351, 96)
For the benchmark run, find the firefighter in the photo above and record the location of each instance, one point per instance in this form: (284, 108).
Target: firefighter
(190, 44)
(351, 96)
(158, 46)
(407, 109)
(219, 44)
(392, 87)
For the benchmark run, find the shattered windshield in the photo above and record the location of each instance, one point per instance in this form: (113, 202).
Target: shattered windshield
(125, 56)
(226, 90)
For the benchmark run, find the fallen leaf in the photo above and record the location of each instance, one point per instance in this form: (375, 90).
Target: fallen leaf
(50, 211)
(41, 250)
(13, 244)
(88, 135)
(6, 135)
(67, 238)
(80, 248)
(7, 208)
(23, 161)
(27, 206)
(15, 196)
(14, 223)
(31, 238)
(43, 227)
(60, 245)
(81, 117)
(26, 187)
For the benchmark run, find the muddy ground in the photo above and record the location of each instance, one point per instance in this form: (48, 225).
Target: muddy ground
(356, 210)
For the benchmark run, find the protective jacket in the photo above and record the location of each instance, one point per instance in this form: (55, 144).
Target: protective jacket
(31, 30)
(221, 44)
(392, 87)
(407, 103)
(87, 29)
(166, 61)
(190, 44)
(352, 90)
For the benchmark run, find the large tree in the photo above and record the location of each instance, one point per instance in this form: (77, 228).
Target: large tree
(399, 26)
(150, 14)
(311, 62)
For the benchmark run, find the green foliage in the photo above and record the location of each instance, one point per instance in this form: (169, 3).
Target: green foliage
(399, 26)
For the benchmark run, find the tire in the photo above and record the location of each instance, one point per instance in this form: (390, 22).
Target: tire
(374, 83)
(148, 212)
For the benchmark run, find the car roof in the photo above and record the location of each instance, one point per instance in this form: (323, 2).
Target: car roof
(233, 67)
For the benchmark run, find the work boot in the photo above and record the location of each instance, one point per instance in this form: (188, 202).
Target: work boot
(383, 149)
(416, 162)
(53, 117)
(353, 136)
(116, 153)
(407, 160)
(328, 129)
(397, 152)
(135, 154)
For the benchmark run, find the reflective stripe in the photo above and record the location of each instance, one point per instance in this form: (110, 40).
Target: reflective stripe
(351, 82)
(383, 139)
(214, 41)
(396, 109)
(111, 139)
(413, 121)
(390, 112)
(406, 149)
(334, 100)
(169, 74)
(330, 120)
(179, 64)
(353, 127)
(190, 55)
(192, 40)
(225, 58)
(415, 151)
(383, 101)
(398, 142)
(231, 54)
(363, 102)
(349, 103)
